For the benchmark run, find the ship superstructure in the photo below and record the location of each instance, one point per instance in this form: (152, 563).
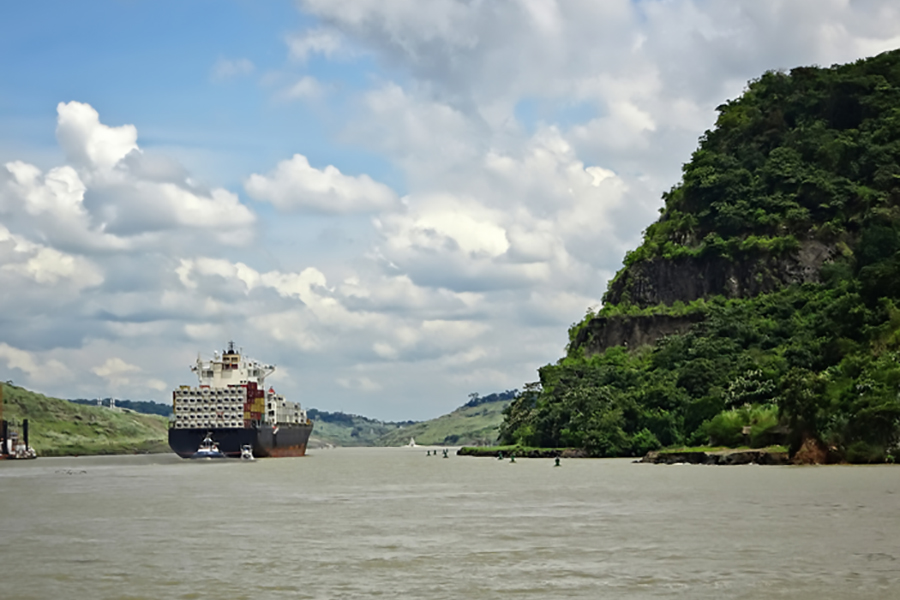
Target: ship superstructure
(231, 404)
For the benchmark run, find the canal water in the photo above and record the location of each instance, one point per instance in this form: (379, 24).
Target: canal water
(395, 523)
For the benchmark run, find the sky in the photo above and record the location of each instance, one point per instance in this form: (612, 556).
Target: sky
(397, 202)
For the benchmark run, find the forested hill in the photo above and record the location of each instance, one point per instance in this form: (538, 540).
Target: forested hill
(476, 422)
(762, 306)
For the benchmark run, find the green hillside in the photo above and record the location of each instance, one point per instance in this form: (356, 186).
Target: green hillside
(764, 304)
(59, 427)
(342, 429)
(468, 425)
(475, 423)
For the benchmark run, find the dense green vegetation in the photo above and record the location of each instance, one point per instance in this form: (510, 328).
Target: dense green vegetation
(810, 152)
(810, 155)
(59, 428)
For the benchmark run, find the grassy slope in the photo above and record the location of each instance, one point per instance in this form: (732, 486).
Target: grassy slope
(478, 425)
(362, 432)
(58, 427)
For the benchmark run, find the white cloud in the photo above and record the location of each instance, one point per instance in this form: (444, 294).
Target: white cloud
(226, 69)
(115, 369)
(306, 88)
(50, 371)
(315, 41)
(44, 265)
(87, 142)
(295, 185)
(136, 201)
(359, 384)
(121, 376)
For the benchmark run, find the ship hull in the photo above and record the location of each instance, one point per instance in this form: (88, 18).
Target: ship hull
(283, 440)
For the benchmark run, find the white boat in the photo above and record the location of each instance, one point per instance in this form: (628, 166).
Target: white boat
(412, 443)
(208, 449)
(247, 452)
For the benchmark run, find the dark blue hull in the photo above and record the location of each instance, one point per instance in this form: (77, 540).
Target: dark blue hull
(285, 440)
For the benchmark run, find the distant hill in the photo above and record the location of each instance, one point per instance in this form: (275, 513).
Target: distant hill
(476, 423)
(342, 429)
(60, 428)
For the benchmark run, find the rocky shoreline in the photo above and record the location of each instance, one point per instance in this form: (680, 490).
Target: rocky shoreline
(720, 457)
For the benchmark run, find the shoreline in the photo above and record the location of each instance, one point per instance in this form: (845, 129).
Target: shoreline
(717, 457)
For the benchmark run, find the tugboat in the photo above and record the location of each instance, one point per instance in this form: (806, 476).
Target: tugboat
(247, 452)
(208, 449)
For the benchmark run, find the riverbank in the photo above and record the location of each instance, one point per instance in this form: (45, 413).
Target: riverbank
(775, 455)
(764, 456)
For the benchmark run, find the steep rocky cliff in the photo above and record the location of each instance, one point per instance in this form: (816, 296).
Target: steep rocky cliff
(766, 298)
(660, 282)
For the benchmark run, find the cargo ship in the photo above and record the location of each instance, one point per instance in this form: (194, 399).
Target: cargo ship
(231, 405)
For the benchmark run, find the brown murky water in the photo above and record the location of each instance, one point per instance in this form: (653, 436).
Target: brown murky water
(393, 523)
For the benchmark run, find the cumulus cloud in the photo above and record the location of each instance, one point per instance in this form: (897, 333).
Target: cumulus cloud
(295, 185)
(113, 197)
(43, 265)
(88, 142)
(535, 216)
(320, 317)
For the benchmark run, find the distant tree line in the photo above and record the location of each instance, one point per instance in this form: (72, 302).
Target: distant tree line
(477, 400)
(349, 420)
(147, 407)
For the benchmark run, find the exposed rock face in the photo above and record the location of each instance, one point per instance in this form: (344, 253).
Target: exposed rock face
(659, 280)
(606, 332)
(813, 452)
(662, 281)
(725, 457)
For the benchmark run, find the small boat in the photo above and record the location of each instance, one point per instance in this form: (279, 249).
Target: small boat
(412, 443)
(208, 449)
(247, 452)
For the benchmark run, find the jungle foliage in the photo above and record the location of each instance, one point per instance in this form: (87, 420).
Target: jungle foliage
(813, 154)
